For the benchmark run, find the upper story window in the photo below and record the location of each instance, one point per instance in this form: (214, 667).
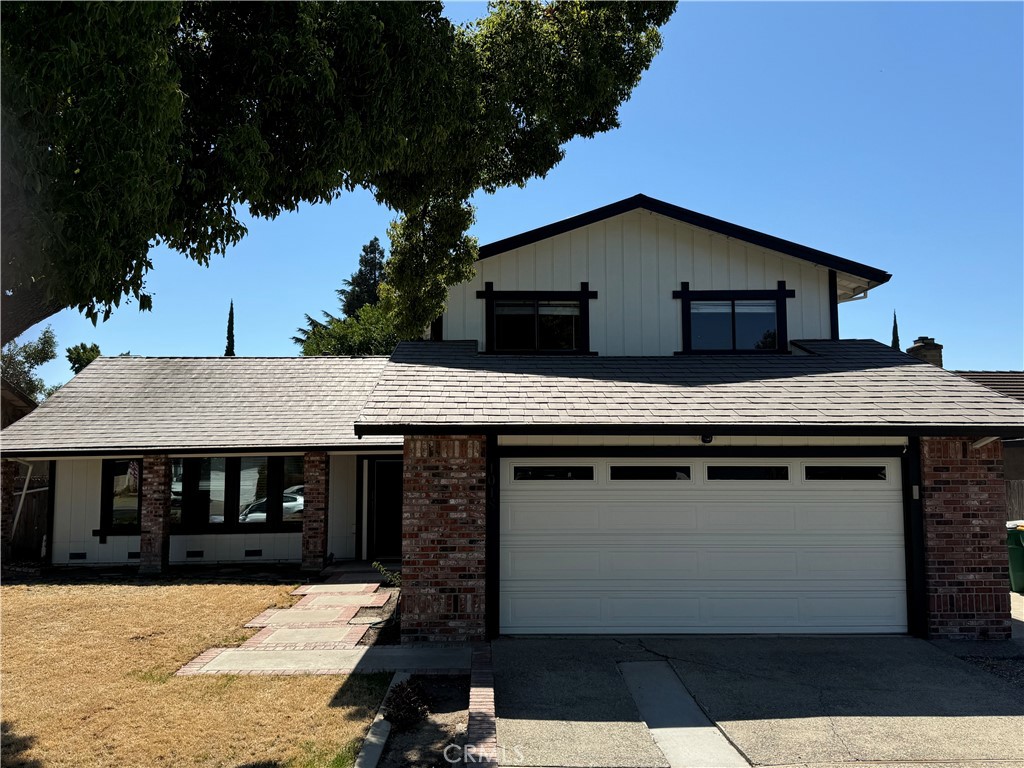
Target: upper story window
(537, 322)
(734, 321)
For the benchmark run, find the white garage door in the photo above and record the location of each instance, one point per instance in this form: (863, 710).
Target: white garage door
(685, 545)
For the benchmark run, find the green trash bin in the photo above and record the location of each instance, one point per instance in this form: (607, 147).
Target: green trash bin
(1015, 545)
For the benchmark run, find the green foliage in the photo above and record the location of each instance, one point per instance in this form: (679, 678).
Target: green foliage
(430, 251)
(367, 327)
(391, 578)
(895, 343)
(81, 355)
(364, 286)
(229, 350)
(370, 332)
(128, 124)
(404, 706)
(19, 362)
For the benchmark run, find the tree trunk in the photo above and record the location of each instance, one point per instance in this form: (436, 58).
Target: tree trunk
(24, 308)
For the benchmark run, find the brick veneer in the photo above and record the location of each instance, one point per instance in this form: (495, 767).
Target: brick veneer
(314, 511)
(963, 497)
(443, 536)
(8, 476)
(155, 534)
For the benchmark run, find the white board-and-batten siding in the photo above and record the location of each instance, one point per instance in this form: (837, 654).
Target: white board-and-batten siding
(76, 514)
(635, 261)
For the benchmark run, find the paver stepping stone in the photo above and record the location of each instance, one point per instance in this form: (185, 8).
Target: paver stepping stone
(323, 600)
(316, 589)
(279, 616)
(308, 635)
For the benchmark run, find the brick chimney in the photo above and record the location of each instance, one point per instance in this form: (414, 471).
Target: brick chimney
(926, 349)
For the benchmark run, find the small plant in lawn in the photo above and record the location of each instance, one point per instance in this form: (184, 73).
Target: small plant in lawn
(404, 707)
(392, 578)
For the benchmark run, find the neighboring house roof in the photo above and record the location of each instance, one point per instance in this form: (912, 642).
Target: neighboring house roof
(1009, 383)
(839, 387)
(16, 402)
(139, 404)
(873, 275)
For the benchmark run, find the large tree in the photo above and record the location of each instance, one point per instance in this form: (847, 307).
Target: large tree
(19, 362)
(81, 355)
(364, 286)
(131, 124)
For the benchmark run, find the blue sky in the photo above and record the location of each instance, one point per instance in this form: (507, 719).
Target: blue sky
(887, 133)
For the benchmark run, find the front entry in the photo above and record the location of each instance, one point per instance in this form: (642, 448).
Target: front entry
(384, 509)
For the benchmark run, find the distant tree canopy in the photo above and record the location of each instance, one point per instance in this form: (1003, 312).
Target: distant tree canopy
(81, 355)
(364, 286)
(19, 362)
(126, 125)
(367, 326)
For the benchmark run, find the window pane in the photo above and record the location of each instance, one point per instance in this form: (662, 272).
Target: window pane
(252, 481)
(292, 499)
(748, 473)
(177, 474)
(756, 325)
(126, 493)
(553, 473)
(711, 325)
(845, 473)
(211, 489)
(515, 326)
(558, 325)
(650, 473)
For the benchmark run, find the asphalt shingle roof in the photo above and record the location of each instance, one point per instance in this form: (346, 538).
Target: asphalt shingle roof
(176, 404)
(849, 387)
(1009, 383)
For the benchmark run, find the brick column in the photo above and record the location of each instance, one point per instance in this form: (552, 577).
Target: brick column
(155, 538)
(443, 537)
(8, 505)
(963, 498)
(314, 513)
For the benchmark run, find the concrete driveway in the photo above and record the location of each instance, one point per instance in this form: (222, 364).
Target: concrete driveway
(808, 701)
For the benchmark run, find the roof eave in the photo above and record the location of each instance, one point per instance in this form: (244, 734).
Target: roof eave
(781, 430)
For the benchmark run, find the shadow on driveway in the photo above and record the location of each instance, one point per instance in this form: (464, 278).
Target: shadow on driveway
(780, 700)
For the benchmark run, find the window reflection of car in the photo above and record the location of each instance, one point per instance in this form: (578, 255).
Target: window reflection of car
(291, 509)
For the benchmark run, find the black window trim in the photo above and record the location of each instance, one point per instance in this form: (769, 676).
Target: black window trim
(193, 524)
(779, 296)
(107, 526)
(584, 295)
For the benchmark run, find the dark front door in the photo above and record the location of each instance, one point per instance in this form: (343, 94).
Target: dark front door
(385, 512)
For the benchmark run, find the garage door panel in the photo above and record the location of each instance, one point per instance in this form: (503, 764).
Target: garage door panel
(749, 517)
(702, 557)
(652, 565)
(552, 564)
(860, 564)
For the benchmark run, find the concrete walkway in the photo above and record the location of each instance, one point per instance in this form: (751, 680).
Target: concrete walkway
(319, 635)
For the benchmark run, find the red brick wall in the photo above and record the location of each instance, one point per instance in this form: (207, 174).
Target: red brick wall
(8, 475)
(154, 541)
(443, 537)
(314, 512)
(963, 498)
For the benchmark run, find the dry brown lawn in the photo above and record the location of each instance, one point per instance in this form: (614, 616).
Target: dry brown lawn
(88, 680)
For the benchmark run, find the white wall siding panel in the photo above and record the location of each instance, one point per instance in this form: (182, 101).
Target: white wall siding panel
(634, 261)
(341, 521)
(699, 555)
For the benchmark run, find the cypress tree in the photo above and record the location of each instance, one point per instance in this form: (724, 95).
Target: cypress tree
(895, 333)
(229, 350)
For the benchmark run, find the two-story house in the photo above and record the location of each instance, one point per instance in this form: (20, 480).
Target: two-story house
(637, 420)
